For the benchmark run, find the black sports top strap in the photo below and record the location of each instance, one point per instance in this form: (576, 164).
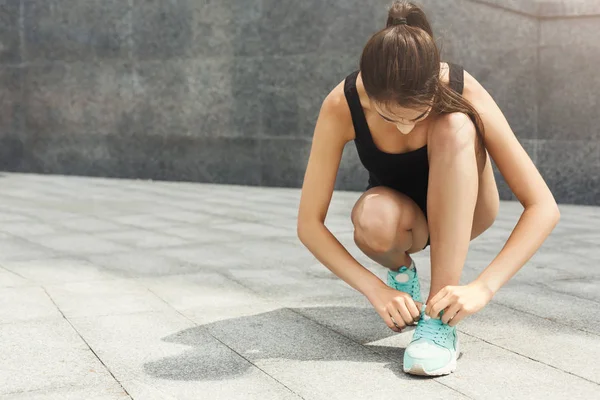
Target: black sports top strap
(358, 116)
(457, 80)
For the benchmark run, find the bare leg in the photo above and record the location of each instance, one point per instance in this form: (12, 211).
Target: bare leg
(388, 226)
(452, 197)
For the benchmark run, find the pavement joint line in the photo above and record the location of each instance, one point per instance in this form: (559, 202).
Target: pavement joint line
(162, 392)
(13, 272)
(87, 344)
(251, 363)
(545, 286)
(259, 294)
(27, 321)
(223, 343)
(539, 316)
(532, 359)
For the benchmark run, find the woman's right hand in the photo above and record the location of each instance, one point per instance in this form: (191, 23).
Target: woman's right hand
(391, 303)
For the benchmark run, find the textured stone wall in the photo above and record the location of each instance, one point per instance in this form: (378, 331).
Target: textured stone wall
(228, 91)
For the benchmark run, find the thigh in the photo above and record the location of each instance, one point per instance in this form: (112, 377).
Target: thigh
(389, 204)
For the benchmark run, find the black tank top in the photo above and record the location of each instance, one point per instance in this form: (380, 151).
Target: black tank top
(405, 172)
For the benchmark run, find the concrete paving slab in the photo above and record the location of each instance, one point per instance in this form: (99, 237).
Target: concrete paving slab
(509, 329)
(209, 255)
(489, 372)
(258, 230)
(143, 221)
(142, 239)
(25, 303)
(107, 391)
(78, 244)
(290, 285)
(200, 233)
(199, 289)
(57, 270)
(9, 279)
(15, 249)
(45, 355)
(91, 224)
(559, 307)
(138, 263)
(109, 297)
(28, 228)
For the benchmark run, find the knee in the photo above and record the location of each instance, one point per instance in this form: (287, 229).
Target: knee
(376, 223)
(454, 132)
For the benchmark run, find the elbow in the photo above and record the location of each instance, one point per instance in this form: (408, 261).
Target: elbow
(547, 211)
(556, 214)
(301, 230)
(553, 213)
(305, 229)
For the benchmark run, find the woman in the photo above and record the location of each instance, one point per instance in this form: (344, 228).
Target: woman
(425, 130)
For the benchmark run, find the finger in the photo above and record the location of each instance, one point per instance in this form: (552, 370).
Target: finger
(390, 323)
(438, 296)
(389, 320)
(403, 310)
(450, 312)
(458, 317)
(385, 316)
(397, 316)
(439, 306)
(413, 309)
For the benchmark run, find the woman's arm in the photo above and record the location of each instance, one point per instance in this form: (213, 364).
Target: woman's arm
(332, 131)
(541, 212)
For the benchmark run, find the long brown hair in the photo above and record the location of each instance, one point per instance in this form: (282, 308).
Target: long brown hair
(400, 65)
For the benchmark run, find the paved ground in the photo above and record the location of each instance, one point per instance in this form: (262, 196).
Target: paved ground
(113, 289)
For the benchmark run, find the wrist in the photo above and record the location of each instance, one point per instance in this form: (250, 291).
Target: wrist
(371, 286)
(486, 286)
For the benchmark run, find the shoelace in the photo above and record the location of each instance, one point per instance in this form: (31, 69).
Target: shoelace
(432, 329)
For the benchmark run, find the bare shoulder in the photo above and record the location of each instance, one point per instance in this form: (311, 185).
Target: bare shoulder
(473, 90)
(336, 111)
(478, 96)
(445, 73)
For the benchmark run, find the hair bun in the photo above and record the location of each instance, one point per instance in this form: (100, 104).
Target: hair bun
(399, 21)
(399, 12)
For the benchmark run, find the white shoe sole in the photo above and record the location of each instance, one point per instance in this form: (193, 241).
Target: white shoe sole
(418, 369)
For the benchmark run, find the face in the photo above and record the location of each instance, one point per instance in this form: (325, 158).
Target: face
(405, 119)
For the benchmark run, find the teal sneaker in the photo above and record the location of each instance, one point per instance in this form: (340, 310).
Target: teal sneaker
(433, 350)
(406, 280)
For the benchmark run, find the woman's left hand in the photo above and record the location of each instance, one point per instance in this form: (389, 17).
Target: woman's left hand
(459, 302)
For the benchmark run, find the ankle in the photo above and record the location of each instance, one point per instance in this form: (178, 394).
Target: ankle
(408, 263)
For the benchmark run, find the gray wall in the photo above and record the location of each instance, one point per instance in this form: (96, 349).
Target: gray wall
(228, 91)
